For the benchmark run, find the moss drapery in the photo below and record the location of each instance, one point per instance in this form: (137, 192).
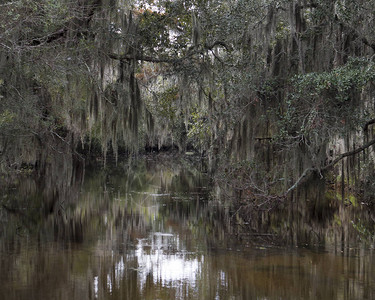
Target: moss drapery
(287, 85)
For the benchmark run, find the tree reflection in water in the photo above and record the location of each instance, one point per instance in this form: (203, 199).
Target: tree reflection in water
(148, 230)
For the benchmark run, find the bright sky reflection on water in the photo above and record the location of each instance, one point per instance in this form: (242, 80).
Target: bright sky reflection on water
(161, 257)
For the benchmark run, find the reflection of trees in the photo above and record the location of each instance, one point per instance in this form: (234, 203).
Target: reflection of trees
(316, 218)
(278, 274)
(86, 236)
(28, 202)
(88, 246)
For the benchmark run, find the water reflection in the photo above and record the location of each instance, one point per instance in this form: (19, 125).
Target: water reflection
(149, 231)
(161, 259)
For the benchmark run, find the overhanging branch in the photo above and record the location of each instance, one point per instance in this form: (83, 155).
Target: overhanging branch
(349, 153)
(190, 53)
(307, 172)
(300, 180)
(143, 58)
(368, 123)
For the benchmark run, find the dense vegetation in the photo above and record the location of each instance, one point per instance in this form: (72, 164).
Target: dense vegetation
(271, 92)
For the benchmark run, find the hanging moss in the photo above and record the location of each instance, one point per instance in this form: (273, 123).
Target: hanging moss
(287, 85)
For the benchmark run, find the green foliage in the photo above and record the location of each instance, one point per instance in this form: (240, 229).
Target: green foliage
(6, 118)
(244, 76)
(338, 84)
(153, 29)
(164, 27)
(327, 101)
(199, 129)
(166, 103)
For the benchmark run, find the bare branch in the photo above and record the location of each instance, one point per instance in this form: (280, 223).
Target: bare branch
(367, 43)
(349, 153)
(217, 43)
(300, 180)
(370, 122)
(308, 171)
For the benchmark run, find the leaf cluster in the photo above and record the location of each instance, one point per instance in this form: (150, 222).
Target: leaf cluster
(327, 102)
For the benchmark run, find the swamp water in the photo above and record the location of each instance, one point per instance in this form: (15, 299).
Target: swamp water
(150, 230)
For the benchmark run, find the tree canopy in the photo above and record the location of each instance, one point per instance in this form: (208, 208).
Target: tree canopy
(285, 87)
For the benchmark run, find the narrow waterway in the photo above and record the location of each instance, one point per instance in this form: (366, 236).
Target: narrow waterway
(152, 230)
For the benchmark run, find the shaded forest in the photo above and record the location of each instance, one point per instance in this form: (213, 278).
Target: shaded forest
(274, 95)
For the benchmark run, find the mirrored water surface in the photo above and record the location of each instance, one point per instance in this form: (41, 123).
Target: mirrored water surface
(151, 230)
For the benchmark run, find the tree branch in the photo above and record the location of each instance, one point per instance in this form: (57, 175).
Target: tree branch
(191, 52)
(308, 171)
(370, 122)
(367, 43)
(356, 35)
(49, 38)
(300, 180)
(217, 43)
(349, 153)
(143, 58)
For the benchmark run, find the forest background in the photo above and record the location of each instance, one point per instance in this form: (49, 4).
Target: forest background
(272, 94)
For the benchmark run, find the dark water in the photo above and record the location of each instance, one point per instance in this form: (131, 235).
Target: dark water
(150, 230)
